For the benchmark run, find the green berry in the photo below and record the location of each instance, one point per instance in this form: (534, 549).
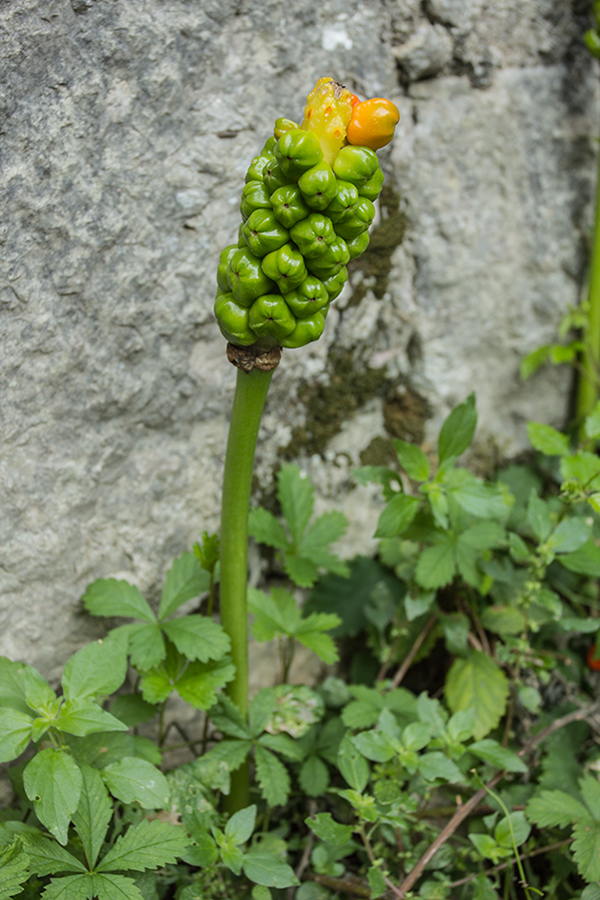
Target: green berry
(270, 316)
(308, 298)
(263, 233)
(306, 331)
(288, 205)
(358, 245)
(285, 267)
(341, 205)
(224, 258)
(257, 167)
(372, 188)
(333, 284)
(246, 278)
(318, 185)
(313, 235)
(358, 221)
(297, 151)
(335, 257)
(355, 164)
(233, 321)
(254, 196)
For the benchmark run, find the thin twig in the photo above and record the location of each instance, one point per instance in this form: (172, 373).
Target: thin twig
(410, 656)
(557, 845)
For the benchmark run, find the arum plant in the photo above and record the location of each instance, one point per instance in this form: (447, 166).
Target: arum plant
(306, 206)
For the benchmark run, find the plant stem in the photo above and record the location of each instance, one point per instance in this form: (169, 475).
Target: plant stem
(588, 384)
(248, 404)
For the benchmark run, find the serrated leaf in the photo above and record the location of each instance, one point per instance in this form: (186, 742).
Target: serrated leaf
(569, 535)
(98, 668)
(156, 686)
(198, 637)
(15, 733)
(477, 683)
(413, 460)
(268, 871)
(592, 423)
(436, 567)
(295, 494)
(275, 613)
(15, 678)
(205, 851)
(503, 620)
(538, 517)
(458, 430)
(590, 791)
(240, 825)
(548, 440)
(146, 646)
(71, 887)
(93, 813)
(376, 882)
(233, 753)
(313, 777)
(272, 777)
(227, 718)
(352, 765)
(320, 644)
(586, 848)
(494, 753)
(132, 709)
(82, 717)
(302, 571)
(397, 516)
(52, 780)
(116, 887)
(374, 745)
(232, 857)
(110, 597)
(262, 707)
(266, 529)
(434, 766)
(185, 580)
(134, 780)
(481, 500)
(147, 845)
(550, 809)
(329, 527)
(14, 869)
(201, 682)
(327, 829)
(585, 561)
(47, 857)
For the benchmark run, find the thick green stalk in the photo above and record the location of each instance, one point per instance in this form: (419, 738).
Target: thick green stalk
(248, 404)
(589, 382)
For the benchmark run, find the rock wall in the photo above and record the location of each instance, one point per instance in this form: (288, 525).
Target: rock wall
(126, 129)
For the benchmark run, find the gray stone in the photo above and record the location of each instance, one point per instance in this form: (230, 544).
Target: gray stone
(126, 131)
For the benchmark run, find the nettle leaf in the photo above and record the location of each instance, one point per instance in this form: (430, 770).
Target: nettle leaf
(116, 887)
(227, 718)
(201, 682)
(147, 845)
(47, 857)
(232, 753)
(272, 777)
(477, 683)
(458, 430)
(146, 646)
(134, 780)
(328, 528)
(550, 809)
(377, 882)
(93, 813)
(53, 780)
(327, 829)
(586, 848)
(240, 826)
(352, 765)
(98, 668)
(389, 479)
(185, 580)
(267, 870)
(14, 679)
(397, 516)
(582, 467)
(110, 597)
(15, 733)
(302, 571)
(14, 869)
(436, 566)
(413, 460)
(39, 696)
(82, 717)
(275, 613)
(266, 529)
(548, 440)
(494, 753)
(295, 494)
(72, 887)
(198, 637)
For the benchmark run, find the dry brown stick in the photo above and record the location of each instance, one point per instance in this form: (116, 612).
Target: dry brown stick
(466, 808)
(409, 658)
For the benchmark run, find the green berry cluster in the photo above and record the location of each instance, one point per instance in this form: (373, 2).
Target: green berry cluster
(303, 220)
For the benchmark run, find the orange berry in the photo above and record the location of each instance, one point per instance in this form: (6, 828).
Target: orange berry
(593, 663)
(372, 123)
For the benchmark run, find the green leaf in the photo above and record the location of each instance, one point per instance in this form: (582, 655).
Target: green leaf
(329, 527)
(275, 613)
(156, 686)
(327, 829)
(227, 718)
(205, 851)
(397, 516)
(39, 696)
(348, 597)
(592, 423)
(319, 643)
(374, 745)
(98, 668)
(272, 777)
(434, 766)
(110, 597)
(52, 780)
(585, 561)
(532, 362)
(233, 753)
(132, 709)
(185, 580)
(14, 869)
(551, 809)
(314, 777)
(302, 571)
(15, 733)
(413, 460)
(590, 791)
(352, 765)
(93, 813)
(232, 857)
(240, 826)
(503, 620)
(514, 828)
(47, 857)
(376, 881)
(198, 637)
(477, 683)
(15, 680)
(72, 887)
(134, 780)
(548, 440)
(295, 494)
(569, 535)
(266, 529)
(458, 430)
(262, 708)
(538, 517)
(201, 682)
(494, 753)
(267, 870)
(146, 646)
(82, 717)
(481, 500)
(435, 567)
(116, 887)
(148, 845)
(586, 848)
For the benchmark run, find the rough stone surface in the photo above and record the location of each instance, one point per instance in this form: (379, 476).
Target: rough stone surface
(126, 130)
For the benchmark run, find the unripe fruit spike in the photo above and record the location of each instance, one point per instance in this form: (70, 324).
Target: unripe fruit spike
(327, 113)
